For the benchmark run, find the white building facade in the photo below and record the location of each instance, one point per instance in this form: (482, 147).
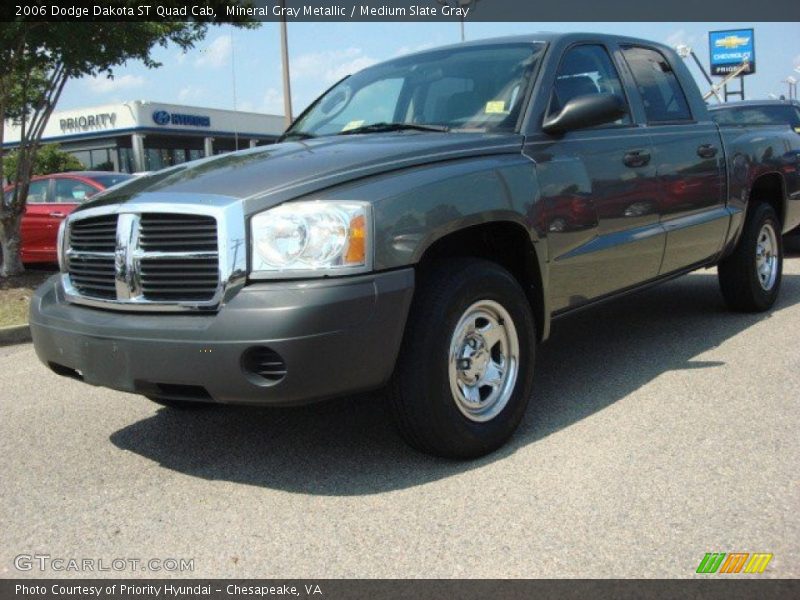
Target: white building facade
(147, 136)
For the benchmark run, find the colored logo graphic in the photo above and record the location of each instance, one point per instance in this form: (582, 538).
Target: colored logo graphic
(731, 42)
(161, 117)
(730, 48)
(734, 562)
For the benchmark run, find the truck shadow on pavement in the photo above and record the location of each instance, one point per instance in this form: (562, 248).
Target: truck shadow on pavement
(349, 446)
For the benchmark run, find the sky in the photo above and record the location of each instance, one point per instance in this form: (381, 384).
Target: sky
(241, 69)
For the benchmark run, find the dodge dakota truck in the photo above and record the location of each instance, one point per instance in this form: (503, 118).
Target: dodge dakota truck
(418, 229)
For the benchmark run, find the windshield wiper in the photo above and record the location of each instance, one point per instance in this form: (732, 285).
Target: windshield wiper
(382, 127)
(295, 135)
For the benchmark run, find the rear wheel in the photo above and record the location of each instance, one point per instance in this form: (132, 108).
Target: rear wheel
(750, 278)
(465, 370)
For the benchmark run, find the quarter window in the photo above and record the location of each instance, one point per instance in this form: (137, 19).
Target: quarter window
(586, 70)
(661, 92)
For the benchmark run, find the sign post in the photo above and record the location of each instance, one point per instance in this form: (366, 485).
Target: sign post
(728, 50)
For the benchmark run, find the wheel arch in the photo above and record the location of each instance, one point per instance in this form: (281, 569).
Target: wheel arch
(507, 243)
(769, 188)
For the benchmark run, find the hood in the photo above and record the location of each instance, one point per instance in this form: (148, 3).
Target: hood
(267, 175)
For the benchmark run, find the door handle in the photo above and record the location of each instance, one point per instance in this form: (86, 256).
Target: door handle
(707, 151)
(57, 214)
(636, 158)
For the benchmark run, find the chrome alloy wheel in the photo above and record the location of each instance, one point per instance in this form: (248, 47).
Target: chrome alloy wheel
(484, 361)
(767, 256)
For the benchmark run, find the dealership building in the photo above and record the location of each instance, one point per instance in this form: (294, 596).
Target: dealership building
(147, 136)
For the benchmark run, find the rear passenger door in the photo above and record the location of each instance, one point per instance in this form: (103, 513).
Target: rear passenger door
(688, 158)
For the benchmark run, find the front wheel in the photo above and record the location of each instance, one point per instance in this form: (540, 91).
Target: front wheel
(465, 369)
(750, 278)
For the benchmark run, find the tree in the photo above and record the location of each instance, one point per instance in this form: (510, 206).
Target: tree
(49, 159)
(38, 58)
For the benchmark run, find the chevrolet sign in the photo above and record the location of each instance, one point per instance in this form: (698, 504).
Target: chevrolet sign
(729, 49)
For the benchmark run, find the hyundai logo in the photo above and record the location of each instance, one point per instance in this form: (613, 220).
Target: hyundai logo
(161, 117)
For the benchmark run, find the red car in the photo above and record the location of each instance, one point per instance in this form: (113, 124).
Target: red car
(50, 199)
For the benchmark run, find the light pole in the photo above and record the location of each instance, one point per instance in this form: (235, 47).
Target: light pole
(792, 83)
(685, 52)
(462, 4)
(287, 86)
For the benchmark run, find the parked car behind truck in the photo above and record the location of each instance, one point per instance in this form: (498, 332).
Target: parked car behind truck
(419, 228)
(50, 199)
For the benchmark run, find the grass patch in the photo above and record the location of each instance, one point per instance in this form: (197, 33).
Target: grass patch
(16, 292)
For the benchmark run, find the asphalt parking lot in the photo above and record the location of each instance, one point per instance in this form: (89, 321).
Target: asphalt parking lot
(663, 427)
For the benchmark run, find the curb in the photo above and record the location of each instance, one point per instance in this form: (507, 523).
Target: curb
(16, 334)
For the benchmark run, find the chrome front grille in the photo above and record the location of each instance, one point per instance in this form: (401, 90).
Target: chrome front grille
(91, 264)
(144, 260)
(97, 234)
(179, 278)
(170, 233)
(93, 277)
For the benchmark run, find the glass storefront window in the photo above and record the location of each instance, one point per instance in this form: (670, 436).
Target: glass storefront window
(101, 160)
(84, 156)
(126, 160)
(153, 159)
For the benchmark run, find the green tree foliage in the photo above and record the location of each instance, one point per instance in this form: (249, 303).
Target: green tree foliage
(49, 159)
(37, 58)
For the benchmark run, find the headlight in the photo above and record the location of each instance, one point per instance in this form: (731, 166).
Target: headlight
(307, 239)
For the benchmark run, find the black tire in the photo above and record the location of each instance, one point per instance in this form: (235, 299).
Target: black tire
(423, 404)
(180, 404)
(738, 279)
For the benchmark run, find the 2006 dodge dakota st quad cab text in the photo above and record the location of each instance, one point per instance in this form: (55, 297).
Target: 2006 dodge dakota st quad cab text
(418, 228)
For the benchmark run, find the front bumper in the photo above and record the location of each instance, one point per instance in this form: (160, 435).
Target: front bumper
(335, 336)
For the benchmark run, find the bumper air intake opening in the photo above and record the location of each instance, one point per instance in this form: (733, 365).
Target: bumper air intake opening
(263, 365)
(173, 391)
(65, 371)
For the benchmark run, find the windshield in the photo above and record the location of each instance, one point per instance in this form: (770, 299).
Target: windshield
(757, 115)
(474, 87)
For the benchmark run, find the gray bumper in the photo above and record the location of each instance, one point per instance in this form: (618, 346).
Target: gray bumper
(335, 336)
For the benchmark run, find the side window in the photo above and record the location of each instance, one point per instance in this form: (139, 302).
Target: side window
(37, 191)
(72, 190)
(660, 89)
(586, 70)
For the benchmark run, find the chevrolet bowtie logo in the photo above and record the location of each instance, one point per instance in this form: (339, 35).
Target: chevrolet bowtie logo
(731, 42)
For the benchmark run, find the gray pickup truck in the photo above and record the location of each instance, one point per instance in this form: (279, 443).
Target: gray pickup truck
(417, 229)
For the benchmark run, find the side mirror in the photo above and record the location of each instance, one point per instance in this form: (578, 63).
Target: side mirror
(586, 111)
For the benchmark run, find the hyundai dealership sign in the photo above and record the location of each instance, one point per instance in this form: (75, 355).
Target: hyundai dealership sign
(729, 49)
(163, 117)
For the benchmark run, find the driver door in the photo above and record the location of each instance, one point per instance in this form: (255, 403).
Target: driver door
(599, 190)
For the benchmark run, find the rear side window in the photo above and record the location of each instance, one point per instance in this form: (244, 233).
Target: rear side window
(662, 95)
(72, 190)
(757, 115)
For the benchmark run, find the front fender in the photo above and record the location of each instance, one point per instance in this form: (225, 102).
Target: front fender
(415, 207)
